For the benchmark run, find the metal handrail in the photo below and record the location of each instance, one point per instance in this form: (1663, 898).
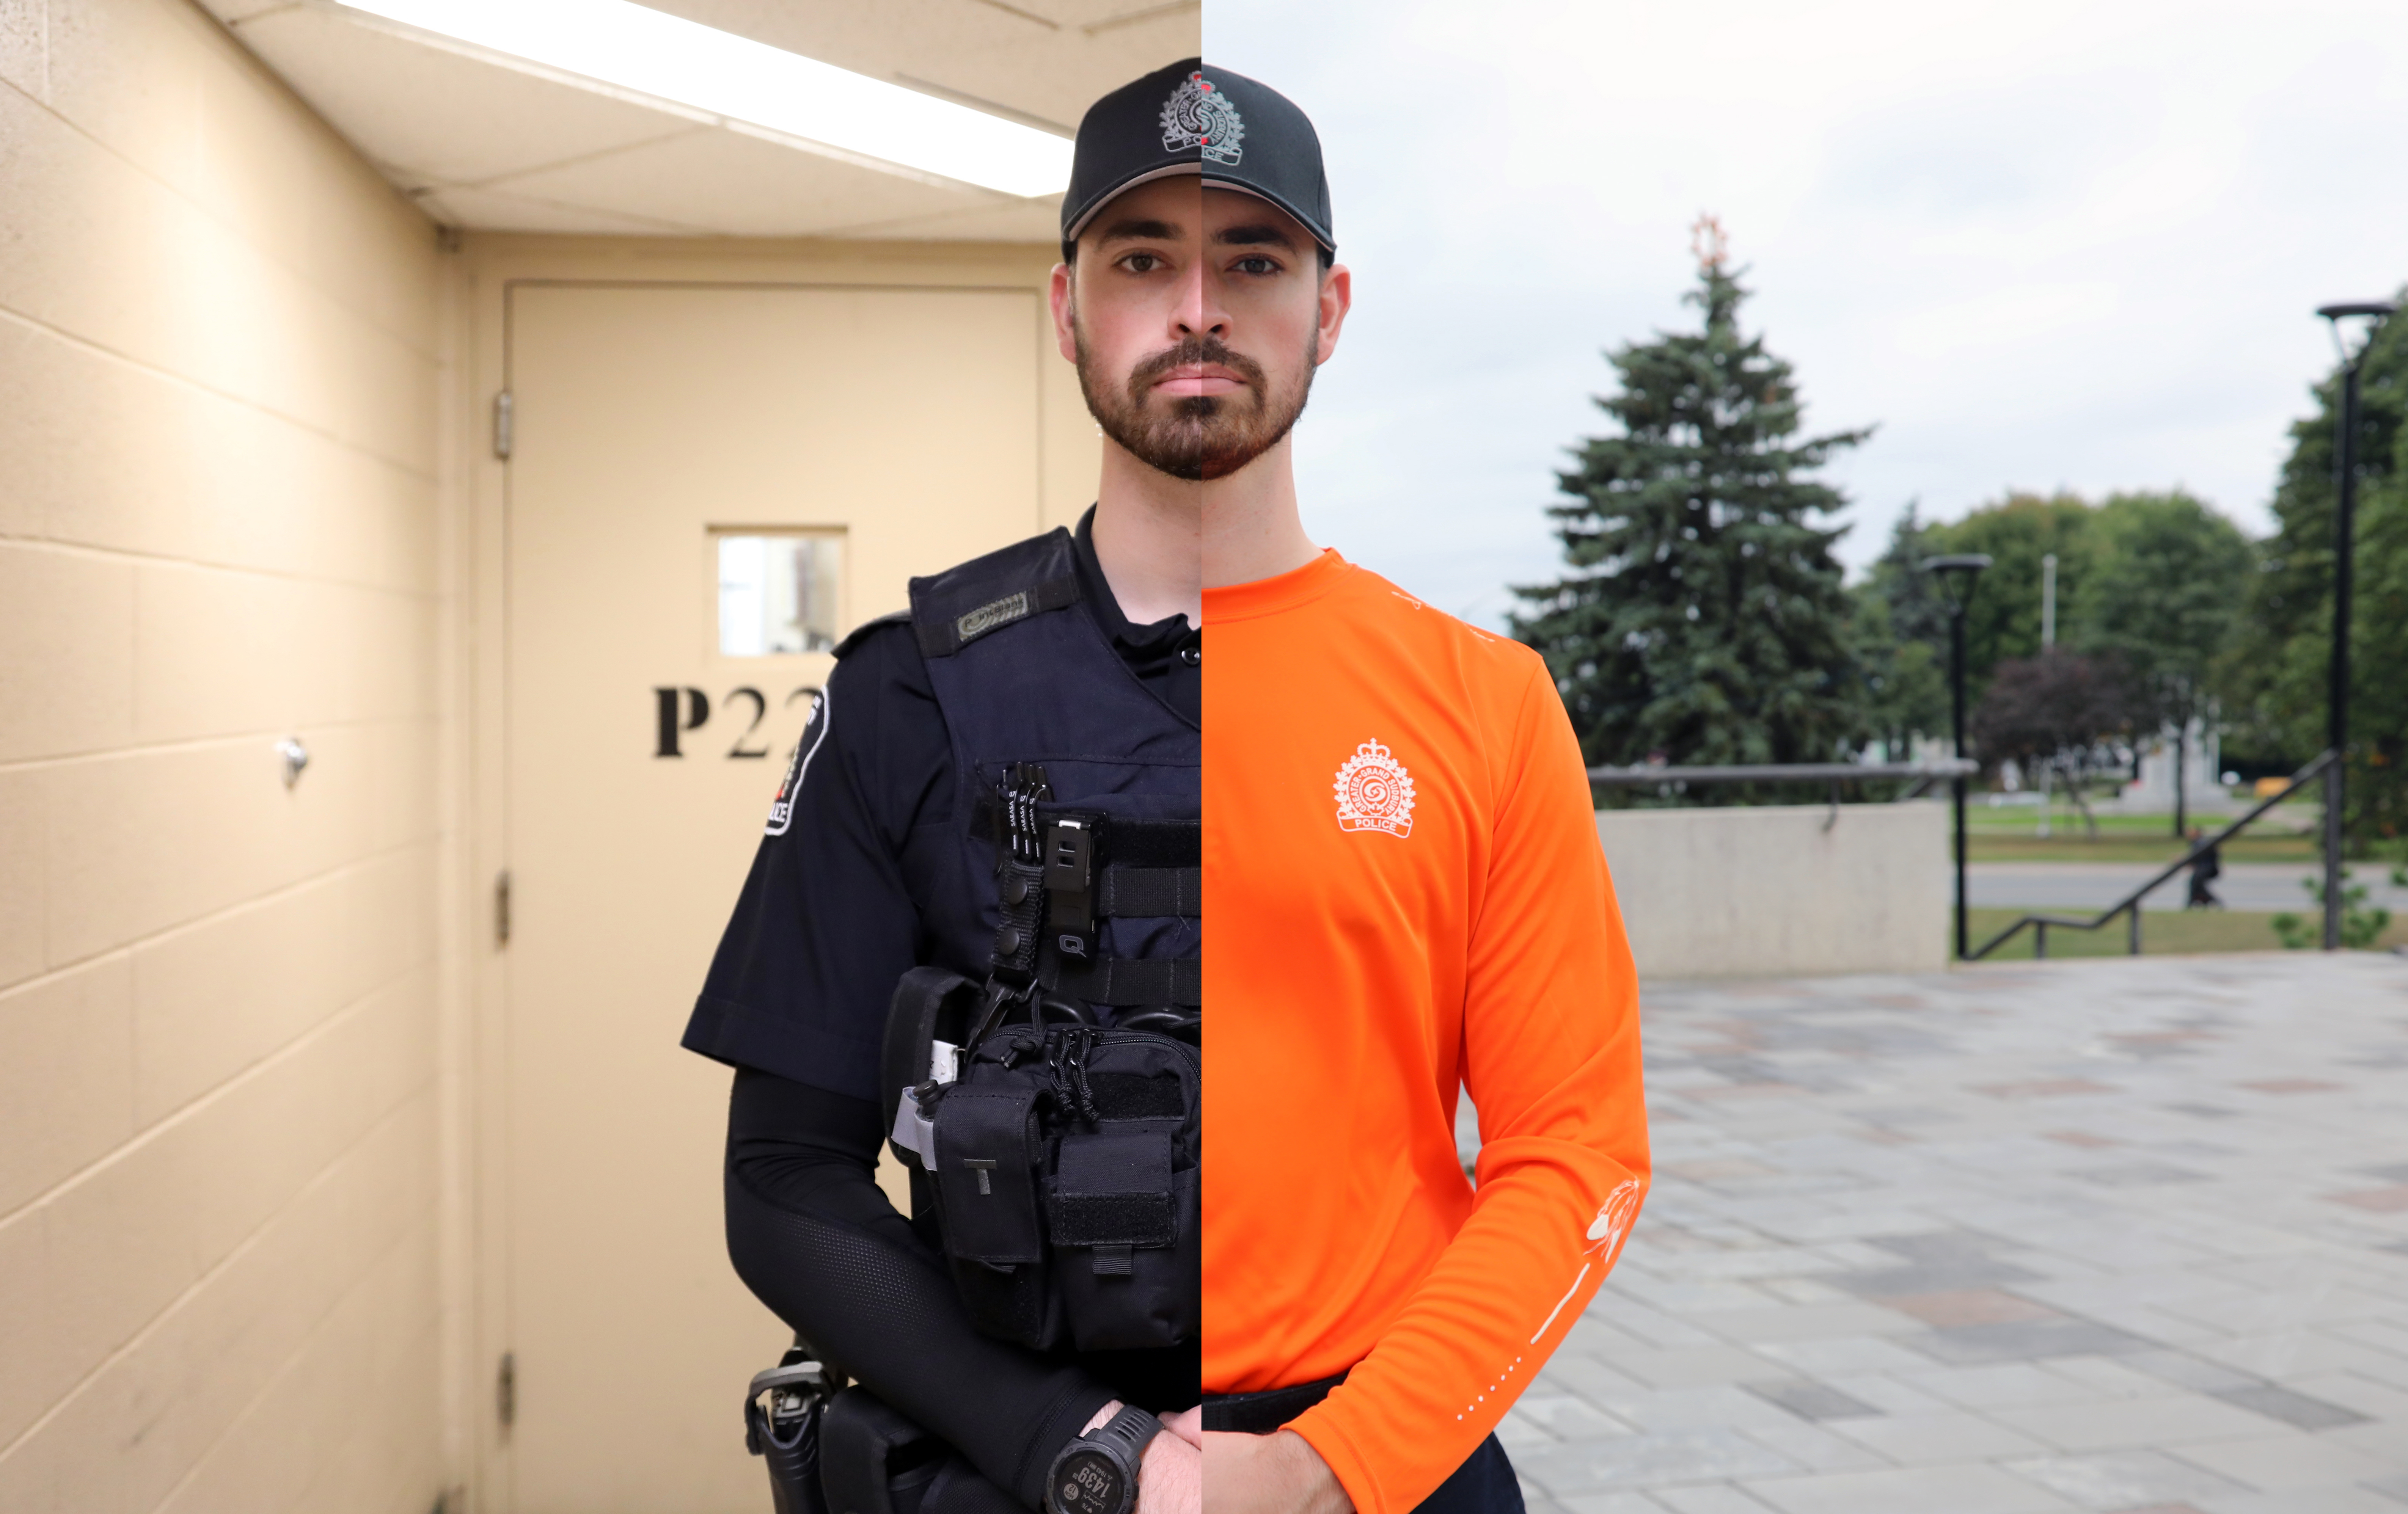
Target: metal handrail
(2130, 903)
(1922, 774)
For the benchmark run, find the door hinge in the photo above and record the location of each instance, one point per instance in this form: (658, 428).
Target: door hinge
(502, 908)
(506, 1391)
(502, 425)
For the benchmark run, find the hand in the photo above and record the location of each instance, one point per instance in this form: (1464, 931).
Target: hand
(1274, 1473)
(1170, 1471)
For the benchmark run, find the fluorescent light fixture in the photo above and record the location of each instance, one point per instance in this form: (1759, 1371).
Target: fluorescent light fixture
(632, 47)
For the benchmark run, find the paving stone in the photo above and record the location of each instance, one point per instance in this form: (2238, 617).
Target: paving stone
(1974, 1489)
(2295, 1463)
(1611, 1503)
(2124, 1481)
(1602, 1464)
(1714, 1499)
(2127, 1423)
(2290, 1408)
(1999, 1209)
(1934, 1438)
(2024, 1340)
(1815, 1401)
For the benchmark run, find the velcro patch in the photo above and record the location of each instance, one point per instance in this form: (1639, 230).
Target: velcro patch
(987, 618)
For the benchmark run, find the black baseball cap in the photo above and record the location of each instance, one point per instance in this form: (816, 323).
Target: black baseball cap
(1188, 119)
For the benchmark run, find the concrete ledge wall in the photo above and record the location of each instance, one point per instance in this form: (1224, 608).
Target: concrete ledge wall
(219, 1096)
(1761, 890)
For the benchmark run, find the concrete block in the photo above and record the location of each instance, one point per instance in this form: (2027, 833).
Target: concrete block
(129, 1238)
(67, 651)
(137, 1430)
(1768, 890)
(24, 881)
(216, 998)
(66, 1076)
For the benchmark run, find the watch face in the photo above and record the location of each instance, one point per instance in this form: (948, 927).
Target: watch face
(1088, 1483)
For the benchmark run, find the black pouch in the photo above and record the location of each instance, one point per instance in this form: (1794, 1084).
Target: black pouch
(868, 1453)
(990, 1159)
(1125, 1207)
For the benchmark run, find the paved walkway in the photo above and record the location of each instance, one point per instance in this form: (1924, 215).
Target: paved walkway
(2113, 1235)
(2266, 886)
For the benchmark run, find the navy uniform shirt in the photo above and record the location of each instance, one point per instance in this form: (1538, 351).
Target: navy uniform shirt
(830, 916)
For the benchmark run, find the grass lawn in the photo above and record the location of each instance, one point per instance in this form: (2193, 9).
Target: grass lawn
(2112, 846)
(2010, 834)
(2191, 932)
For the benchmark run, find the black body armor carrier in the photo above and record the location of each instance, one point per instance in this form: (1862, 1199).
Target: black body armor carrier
(1045, 1078)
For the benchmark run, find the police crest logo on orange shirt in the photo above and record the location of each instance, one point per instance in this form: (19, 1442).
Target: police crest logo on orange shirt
(1374, 791)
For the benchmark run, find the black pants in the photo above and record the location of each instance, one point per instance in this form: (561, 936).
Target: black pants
(1484, 1484)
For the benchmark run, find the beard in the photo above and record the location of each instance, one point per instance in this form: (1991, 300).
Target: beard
(1196, 436)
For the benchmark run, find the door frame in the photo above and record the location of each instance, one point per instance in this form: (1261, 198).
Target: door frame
(473, 1206)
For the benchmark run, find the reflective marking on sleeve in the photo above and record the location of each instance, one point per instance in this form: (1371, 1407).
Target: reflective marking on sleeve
(1561, 1302)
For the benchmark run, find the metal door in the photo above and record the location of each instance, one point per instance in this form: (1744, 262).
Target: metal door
(900, 424)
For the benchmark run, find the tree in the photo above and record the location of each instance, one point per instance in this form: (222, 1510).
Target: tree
(2058, 709)
(1703, 618)
(2163, 595)
(2003, 619)
(2277, 671)
(1898, 629)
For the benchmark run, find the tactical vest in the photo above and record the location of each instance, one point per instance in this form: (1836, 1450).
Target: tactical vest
(1055, 1106)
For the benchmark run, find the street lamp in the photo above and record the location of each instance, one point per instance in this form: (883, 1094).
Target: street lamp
(2337, 700)
(1956, 574)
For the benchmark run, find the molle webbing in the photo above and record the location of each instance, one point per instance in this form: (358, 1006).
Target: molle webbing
(1125, 981)
(1160, 891)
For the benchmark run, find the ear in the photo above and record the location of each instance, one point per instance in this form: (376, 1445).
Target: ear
(1062, 294)
(1337, 298)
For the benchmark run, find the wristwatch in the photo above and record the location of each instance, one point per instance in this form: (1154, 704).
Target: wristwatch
(1096, 1472)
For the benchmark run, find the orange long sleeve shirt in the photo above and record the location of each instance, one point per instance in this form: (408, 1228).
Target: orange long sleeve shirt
(1408, 899)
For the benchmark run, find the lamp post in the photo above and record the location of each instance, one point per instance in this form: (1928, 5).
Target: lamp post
(2346, 508)
(1956, 574)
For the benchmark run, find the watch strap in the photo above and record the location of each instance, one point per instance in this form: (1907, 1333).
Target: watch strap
(1122, 1439)
(1132, 1429)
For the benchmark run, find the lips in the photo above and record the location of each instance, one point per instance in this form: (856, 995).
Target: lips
(1192, 379)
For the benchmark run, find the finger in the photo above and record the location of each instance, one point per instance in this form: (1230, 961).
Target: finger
(1187, 1424)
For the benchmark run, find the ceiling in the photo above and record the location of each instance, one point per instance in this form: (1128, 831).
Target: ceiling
(484, 145)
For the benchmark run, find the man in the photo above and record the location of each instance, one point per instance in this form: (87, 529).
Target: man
(1049, 695)
(2205, 868)
(1409, 902)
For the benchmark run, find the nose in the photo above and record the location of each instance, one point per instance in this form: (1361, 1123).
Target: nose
(1201, 312)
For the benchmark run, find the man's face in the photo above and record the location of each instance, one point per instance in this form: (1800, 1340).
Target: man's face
(1197, 318)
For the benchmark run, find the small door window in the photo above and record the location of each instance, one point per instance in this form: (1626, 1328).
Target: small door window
(779, 593)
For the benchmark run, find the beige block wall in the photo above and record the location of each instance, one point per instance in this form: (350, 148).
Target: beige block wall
(1781, 889)
(221, 1116)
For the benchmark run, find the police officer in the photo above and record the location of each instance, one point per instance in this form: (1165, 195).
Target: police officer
(992, 816)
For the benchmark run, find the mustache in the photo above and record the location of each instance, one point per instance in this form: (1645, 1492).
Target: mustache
(1191, 352)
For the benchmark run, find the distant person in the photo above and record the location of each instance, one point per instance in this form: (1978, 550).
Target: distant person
(2205, 867)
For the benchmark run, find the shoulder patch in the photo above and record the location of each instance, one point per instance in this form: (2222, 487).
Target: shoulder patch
(815, 729)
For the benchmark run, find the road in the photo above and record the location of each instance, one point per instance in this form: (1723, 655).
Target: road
(2259, 886)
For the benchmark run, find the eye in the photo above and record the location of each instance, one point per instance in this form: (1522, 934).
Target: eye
(1141, 263)
(1258, 265)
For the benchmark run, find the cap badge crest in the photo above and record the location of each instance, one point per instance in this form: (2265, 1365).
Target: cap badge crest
(1375, 792)
(1197, 115)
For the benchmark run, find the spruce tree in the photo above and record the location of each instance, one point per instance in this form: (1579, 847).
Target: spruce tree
(1703, 619)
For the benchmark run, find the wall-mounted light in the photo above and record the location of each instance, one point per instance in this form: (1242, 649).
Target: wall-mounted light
(745, 85)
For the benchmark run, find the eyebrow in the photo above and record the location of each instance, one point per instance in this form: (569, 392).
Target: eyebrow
(1264, 233)
(1139, 231)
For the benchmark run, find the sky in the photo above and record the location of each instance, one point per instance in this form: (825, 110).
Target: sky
(2038, 245)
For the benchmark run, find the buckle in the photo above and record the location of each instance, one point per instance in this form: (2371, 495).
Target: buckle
(1070, 888)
